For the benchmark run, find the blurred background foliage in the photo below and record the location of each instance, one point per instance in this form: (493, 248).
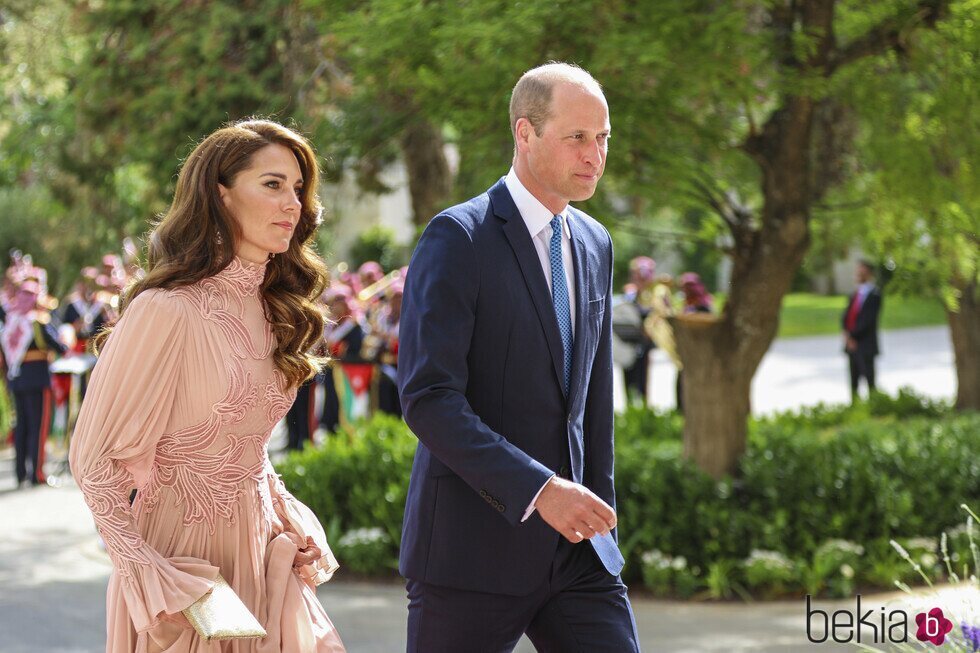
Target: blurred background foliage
(774, 136)
(101, 99)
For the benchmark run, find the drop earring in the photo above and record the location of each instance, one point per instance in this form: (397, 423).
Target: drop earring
(218, 240)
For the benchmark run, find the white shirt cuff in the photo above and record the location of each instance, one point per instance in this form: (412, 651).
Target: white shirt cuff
(530, 509)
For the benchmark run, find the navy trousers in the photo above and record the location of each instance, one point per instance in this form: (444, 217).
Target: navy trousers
(300, 422)
(30, 434)
(862, 364)
(388, 399)
(579, 608)
(330, 420)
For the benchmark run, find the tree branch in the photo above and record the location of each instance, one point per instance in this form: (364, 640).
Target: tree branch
(726, 204)
(888, 34)
(713, 199)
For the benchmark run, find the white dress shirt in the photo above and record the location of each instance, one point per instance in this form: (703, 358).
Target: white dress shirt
(537, 219)
(863, 291)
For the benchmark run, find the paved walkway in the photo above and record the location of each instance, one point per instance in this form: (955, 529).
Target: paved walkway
(53, 576)
(53, 572)
(806, 371)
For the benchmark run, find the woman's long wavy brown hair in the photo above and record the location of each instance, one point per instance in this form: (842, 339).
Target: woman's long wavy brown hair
(183, 247)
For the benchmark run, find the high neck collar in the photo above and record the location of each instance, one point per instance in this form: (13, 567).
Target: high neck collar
(243, 277)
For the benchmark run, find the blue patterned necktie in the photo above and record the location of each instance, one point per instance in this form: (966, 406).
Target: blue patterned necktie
(559, 296)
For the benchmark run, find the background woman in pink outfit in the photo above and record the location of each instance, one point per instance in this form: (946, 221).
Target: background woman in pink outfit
(203, 362)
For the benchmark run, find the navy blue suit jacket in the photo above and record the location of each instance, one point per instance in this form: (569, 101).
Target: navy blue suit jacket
(480, 376)
(866, 326)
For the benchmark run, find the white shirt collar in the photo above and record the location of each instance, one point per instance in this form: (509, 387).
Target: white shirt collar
(536, 215)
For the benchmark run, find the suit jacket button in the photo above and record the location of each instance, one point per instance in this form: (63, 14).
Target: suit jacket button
(564, 473)
(501, 508)
(483, 493)
(494, 503)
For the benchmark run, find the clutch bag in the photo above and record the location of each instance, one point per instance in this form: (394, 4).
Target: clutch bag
(220, 614)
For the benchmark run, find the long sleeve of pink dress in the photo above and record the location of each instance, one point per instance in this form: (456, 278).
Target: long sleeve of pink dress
(180, 407)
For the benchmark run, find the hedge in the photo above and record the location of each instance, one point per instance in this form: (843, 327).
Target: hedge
(816, 499)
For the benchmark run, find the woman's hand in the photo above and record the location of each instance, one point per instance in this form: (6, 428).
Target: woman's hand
(305, 555)
(308, 554)
(178, 619)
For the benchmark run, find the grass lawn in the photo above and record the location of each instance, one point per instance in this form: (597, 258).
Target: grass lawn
(805, 314)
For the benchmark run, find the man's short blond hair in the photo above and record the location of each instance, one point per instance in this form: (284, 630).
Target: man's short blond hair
(531, 97)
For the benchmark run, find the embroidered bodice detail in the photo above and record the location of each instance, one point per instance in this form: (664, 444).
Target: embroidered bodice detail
(210, 464)
(277, 400)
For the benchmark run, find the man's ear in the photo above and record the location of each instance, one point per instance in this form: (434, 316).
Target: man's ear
(523, 130)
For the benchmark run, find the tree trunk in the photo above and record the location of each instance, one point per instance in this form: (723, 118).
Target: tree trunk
(722, 353)
(726, 353)
(716, 395)
(429, 180)
(964, 328)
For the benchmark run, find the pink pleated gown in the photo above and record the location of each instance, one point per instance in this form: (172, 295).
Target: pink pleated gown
(180, 406)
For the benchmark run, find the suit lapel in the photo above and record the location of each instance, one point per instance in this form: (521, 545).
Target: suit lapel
(581, 306)
(520, 241)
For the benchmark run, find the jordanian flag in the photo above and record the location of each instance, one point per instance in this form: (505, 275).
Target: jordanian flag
(353, 384)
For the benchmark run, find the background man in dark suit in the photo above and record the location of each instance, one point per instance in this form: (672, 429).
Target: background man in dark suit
(505, 367)
(860, 322)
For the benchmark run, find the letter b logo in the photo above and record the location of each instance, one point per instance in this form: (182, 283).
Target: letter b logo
(933, 626)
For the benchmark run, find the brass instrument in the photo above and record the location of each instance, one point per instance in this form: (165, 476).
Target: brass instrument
(375, 343)
(379, 286)
(372, 344)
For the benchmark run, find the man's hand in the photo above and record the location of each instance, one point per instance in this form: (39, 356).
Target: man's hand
(852, 344)
(574, 511)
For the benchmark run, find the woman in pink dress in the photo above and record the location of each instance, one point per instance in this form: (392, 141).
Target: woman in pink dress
(203, 362)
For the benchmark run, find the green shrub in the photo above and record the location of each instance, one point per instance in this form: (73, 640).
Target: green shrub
(357, 479)
(669, 576)
(645, 425)
(723, 579)
(907, 403)
(863, 481)
(366, 550)
(888, 467)
(883, 566)
(658, 572)
(770, 573)
(860, 474)
(833, 568)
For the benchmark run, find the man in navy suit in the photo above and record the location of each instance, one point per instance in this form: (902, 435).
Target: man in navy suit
(505, 367)
(860, 324)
